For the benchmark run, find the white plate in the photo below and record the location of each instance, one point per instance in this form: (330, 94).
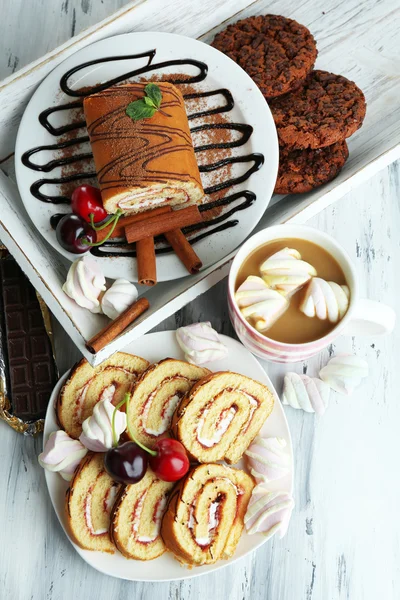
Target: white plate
(250, 108)
(154, 347)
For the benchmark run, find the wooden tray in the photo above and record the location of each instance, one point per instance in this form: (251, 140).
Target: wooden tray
(359, 43)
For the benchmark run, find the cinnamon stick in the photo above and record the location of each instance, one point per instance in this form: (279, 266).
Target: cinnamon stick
(111, 331)
(184, 250)
(119, 231)
(159, 224)
(146, 261)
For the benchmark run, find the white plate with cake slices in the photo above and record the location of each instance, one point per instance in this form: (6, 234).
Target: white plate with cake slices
(154, 347)
(248, 129)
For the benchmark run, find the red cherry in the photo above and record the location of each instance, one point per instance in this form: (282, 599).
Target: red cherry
(171, 461)
(86, 200)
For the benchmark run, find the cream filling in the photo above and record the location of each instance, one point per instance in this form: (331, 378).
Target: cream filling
(81, 394)
(213, 520)
(80, 400)
(133, 200)
(223, 424)
(212, 524)
(165, 418)
(144, 539)
(88, 516)
(110, 498)
(220, 428)
(108, 393)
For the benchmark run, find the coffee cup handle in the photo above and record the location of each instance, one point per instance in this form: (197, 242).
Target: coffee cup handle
(371, 318)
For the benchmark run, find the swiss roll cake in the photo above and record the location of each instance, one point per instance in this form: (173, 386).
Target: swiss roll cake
(142, 164)
(86, 386)
(204, 518)
(136, 517)
(89, 501)
(220, 416)
(155, 396)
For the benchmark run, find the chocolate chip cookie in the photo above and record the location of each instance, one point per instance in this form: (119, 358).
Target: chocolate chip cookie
(303, 170)
(326, 110)
(276, 52)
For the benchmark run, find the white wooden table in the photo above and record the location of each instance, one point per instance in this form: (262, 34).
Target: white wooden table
(343, 541)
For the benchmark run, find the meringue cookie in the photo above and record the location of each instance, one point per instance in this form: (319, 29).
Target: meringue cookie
(118, 297)
(325, 300)
(84, 283)
(267, 458)
(308, 393)
(200, 343)
(252, 291)
(62, 454)
(97, 429)
(286, 272)
(344, 373)
(264, 314)
(268, 512)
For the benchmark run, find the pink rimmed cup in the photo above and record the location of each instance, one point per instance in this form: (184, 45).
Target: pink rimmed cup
(364, 317)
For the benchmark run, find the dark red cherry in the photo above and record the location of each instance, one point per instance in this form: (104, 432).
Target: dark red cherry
(126, 463)
(74, 234)
(171, 461)
(86, 200)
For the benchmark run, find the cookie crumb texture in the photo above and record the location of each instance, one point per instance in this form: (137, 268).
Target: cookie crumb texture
(303, 170)
(326, 110)
(278, 53)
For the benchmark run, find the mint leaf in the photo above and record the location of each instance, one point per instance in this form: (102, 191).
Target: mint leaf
(154, 93)
(150, 102)
(139, 109)
(146, 106)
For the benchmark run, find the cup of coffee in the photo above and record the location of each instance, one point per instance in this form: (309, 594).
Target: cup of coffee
(292, 290)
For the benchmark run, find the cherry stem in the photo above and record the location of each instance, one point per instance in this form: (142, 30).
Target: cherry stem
(131, 434)
(114, 220)
(104, 225)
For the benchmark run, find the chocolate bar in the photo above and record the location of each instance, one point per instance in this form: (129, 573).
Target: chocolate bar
(27, 364)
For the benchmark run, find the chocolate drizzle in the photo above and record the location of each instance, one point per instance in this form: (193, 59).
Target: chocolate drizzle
(211, 111)
(209, 227)
(256, 158)
(203, 70)
(35, 187)
(245, 130)
(52, 164)
(44, 119)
